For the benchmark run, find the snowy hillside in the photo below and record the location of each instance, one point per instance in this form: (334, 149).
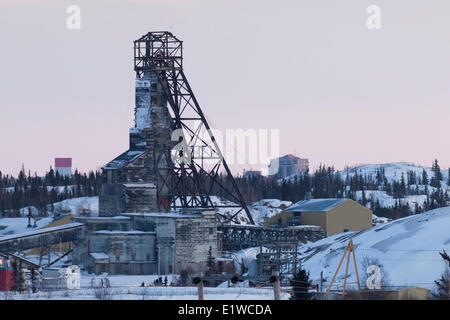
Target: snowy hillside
(392, 171)
(407, 250)
(386, 200)
(267, 208)
(73, 206)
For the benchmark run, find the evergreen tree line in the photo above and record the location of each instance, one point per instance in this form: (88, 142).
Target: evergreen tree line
(31, 190)
(40, 192)
(326, 182)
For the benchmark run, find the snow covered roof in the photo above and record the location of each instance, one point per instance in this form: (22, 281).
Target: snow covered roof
(41, 231)
(134, 232)
(315, 205)
(164, 214)
(99, 255)
(124, 159)
(95, 219)
(139, 185)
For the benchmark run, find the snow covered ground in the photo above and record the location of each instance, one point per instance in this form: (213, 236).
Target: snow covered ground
(379, 220)
(407, 250)
(76, 205)
(386, 200)
(149, 293)
(267, 208)
(126, 287)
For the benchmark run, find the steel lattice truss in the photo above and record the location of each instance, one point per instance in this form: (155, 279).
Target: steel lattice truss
(195, 162)
(236, 237)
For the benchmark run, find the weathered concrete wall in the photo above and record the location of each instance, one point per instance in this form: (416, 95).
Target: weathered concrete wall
(111, 198)
(193, 240)
(158, 148)
(129, 252)
(140, 198)
(183, 239)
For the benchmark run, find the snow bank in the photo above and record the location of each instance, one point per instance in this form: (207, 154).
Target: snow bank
(407, 249)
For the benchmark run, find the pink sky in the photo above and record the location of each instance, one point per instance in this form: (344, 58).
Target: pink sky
(339, 93)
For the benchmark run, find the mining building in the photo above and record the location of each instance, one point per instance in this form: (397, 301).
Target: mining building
(137, 232)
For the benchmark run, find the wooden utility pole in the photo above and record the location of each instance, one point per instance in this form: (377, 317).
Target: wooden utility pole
(159, 261)
(276, 286)
(321, 282)
(200, 288)
(348, 249)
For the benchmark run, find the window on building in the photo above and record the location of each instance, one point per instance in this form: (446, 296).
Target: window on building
(148, 257)
(117, 258)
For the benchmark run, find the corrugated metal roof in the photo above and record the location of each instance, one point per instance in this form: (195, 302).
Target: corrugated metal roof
(315, 205)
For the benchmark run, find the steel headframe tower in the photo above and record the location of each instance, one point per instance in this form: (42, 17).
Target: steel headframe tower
(196, 161)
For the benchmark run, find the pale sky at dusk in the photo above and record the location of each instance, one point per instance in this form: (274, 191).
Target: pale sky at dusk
(339, 93)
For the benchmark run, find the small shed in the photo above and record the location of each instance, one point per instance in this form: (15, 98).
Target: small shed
(61, 278)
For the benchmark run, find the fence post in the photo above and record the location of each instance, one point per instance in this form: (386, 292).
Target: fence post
(321, 282)
(200, 288)
(276, 286)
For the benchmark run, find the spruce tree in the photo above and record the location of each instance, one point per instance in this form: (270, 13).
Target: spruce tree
(300, 286)
(443, 284)
(210, 262)
(424, 177)
(33, 280)
(15, 270)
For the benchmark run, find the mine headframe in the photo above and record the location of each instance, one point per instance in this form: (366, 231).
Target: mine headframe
(195, 162)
